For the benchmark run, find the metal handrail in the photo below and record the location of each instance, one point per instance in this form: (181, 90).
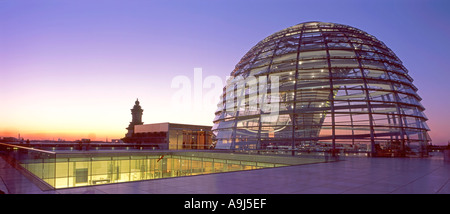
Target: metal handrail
(28, 148)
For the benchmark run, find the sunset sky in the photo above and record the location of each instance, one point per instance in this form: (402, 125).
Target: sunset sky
(73, 69)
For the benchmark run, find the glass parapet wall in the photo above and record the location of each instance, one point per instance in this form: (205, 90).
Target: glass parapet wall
(117, 168)
(76, 169)
(35, 163)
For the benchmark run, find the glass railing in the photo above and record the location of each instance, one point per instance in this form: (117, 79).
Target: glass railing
(35, 163)
(301, 155)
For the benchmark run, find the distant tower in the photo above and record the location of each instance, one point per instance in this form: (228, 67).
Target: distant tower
(136, 112)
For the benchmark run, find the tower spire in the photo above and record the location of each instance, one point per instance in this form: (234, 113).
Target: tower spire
(136, 113)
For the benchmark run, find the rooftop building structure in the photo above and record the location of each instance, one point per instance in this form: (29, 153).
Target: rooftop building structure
(174, 136)
(167, 135)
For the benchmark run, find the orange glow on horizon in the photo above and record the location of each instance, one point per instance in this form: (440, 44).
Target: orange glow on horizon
(66, 136)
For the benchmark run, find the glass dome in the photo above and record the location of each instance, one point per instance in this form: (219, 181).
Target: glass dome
(320, 86)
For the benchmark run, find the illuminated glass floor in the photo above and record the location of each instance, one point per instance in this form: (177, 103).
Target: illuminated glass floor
(84, 170)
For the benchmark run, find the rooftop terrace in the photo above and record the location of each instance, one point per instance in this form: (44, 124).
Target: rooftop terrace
(350, 176)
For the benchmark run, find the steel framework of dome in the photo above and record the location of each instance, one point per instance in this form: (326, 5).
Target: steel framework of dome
(336, 87)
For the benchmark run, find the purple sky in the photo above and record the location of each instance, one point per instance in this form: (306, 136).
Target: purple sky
(73, 69)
